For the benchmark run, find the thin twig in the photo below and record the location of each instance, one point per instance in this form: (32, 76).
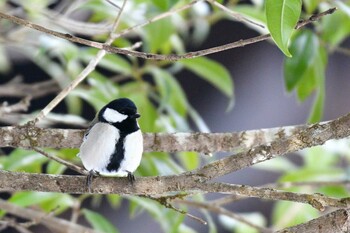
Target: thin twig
(315, 17)
(34, 90)
(316, 200)
(23, 105)
(165, 202)
(61, 161)
(314, 184)
(9, 222)
(39, 219)
(234, 14)
(152, 56)
(336, 221)
(223, 211)
(156, 18)
(88, 69)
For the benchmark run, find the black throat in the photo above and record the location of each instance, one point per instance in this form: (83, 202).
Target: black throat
(125, 128)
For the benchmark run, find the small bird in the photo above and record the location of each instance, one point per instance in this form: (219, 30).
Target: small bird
(113, 144)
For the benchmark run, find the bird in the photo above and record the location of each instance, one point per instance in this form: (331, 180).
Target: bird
(113, 144)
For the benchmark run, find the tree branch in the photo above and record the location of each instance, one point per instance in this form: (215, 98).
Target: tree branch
(19, 136)
(170, 57)
(53, 223)
(337, 221)
(155, 187)
(34, 90)
(223, 211)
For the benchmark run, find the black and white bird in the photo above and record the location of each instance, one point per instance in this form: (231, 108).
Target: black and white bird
(113, 144)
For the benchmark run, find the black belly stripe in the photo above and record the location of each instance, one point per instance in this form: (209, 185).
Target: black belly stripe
(118, 156)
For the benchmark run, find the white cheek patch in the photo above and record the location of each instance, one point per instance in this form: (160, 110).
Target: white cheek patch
(113, 116)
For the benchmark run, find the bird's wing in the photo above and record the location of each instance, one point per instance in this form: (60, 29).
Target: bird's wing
(92, 123)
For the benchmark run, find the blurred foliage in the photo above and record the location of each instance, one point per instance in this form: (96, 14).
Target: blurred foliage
(162, 102)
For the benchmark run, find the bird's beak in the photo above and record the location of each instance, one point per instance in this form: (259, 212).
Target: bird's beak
(136, 115)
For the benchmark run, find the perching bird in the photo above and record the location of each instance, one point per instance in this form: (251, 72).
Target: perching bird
(113, 144)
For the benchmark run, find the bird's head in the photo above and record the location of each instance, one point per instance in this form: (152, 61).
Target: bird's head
(118, 111)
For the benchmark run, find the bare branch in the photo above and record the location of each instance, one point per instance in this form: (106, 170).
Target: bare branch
(61, 161)
(23, 105)
(154, 19)
(155, 187)
(235, 15)
(34, 90)
(316, 134)
(56, 224)
(169, 142)
(315, 17)
(170, 57)
(223, 211)
(318, 201)
(337, 221)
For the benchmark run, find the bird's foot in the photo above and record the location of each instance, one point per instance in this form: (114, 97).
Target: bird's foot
(89, 178)
(131, 177)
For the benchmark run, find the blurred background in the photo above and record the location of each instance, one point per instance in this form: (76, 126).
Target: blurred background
(259, 96)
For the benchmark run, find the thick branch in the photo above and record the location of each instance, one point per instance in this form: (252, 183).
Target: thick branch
(153, 186)
(19, 136)
(316, 134)
(337, 221)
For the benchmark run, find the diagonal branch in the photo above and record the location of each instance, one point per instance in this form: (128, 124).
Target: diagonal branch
(223, 211)
(53, 223)
(170, 57)
(337, 221)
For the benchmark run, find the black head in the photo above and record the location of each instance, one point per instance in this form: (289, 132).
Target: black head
(118, 112)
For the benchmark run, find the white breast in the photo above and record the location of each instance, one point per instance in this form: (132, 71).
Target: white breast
(98, 146)
(133, 148)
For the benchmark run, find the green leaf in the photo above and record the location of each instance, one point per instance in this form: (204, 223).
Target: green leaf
(102, 91)
(305, 71)
(282, 16)
(318, 157)
(161, 4)
(319, 70)
(317, 108)
(286, 214)
(99, 222)
(211, 71)
(279, 164)
(311, 174)
(239, 227)
(334, 191)
(55, 168)
(23, 160)
(163, 29)
(47, 201)
(190, 160)
(170, 90)
(25, 199)
(311, 5)
(335, 28)
(304, 48)
(111, 62)
(114, 200)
